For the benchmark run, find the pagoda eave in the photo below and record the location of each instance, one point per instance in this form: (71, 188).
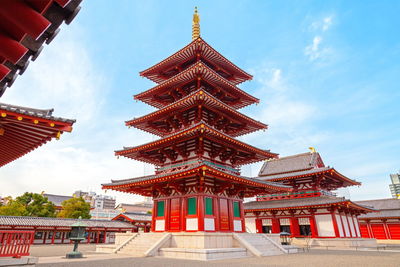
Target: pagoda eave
(145, 185)
(198, 70)
(190, 51)
(175, 111)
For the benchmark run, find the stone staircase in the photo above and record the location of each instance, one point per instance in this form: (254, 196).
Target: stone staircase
(140, 244)
(259, 244)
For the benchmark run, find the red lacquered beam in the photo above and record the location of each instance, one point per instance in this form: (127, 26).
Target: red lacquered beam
(25, 17)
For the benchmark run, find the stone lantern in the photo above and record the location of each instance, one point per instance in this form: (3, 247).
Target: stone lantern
(77, 234)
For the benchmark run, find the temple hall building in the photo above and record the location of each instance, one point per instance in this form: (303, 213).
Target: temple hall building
(311, 209)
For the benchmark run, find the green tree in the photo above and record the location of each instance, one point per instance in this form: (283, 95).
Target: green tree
(37, 205)
(74, 208)
(12, 208)
(29, 204)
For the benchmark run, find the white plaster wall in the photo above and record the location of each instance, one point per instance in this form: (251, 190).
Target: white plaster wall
(346, 226)
(352, 230)
(250, 225)
(340, 226)
(160, 225)
(192, 224)
(209, 224)
(237, 225)
(357, 226)
(325, 225)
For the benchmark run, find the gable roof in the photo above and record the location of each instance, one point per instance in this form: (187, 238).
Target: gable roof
(57, 199)
(59, 222)
(382, 204)
(294, 163)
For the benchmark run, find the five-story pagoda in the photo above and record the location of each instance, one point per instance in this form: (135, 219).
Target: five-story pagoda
(197, 184)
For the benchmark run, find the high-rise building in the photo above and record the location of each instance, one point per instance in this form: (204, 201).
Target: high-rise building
(395, 185)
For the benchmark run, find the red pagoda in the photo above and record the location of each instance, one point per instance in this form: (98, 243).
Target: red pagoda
(312, 209)
(197, 184)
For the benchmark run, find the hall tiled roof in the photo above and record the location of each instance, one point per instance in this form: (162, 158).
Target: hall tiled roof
(381, 214)
(135, 216)
(294, 163)
(59, 222)
(382, 204)
(299, 202)
(40, 113)
(388, 208)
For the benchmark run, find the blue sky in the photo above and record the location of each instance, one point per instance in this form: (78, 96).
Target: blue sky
(326, 72)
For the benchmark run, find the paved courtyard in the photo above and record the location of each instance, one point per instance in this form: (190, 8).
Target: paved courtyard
(50, 256)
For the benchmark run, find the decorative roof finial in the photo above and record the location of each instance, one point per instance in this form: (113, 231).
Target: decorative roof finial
(312, 149)
(195, 25)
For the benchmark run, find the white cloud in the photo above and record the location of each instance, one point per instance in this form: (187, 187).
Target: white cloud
(323, 24)
(313, 51)
(316, 50)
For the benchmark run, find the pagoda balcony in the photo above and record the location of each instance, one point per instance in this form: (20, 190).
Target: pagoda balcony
(198, 49)
(196, 107)
(196, 77)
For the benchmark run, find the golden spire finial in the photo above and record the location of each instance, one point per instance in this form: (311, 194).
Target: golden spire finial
(195, 25)
(312, 149)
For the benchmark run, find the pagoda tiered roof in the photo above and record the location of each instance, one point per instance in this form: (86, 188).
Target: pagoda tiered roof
(188, 174)
(197, 49)
(173, 89)
(178, 114)
(304, 168)
(184, 142)
(24, 129)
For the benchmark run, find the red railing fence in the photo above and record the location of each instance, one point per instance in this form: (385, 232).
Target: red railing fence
(15, 243)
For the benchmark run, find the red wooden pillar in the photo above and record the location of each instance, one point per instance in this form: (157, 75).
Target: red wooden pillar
(348, 223)
(353, 219)
(294, 226)
(335, 225)
(105, 236)
(313, 226)
(242, 216)
(53, 236)
(369, 229)
(276, 229)
(44, 237)
(259, 225)
(183, 214)
(386, 229)
(153, 217)
(167, 214)
(230, 215)
(216, 213)
(200, 212)
(62, 237)
(97, 237)
(88, 237)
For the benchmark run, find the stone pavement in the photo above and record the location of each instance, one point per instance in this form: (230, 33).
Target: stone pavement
(325, 258)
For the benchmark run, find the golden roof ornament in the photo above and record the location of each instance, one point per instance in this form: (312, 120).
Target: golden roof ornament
(195, 25)
(312, 149)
